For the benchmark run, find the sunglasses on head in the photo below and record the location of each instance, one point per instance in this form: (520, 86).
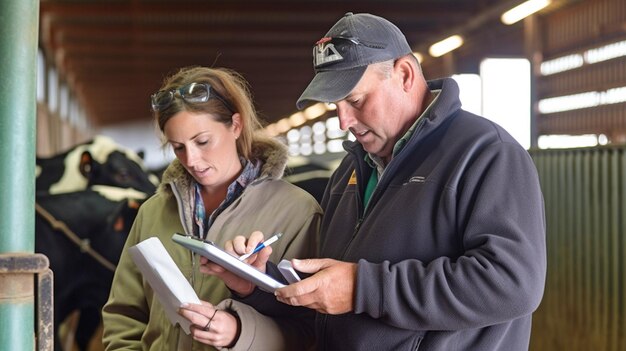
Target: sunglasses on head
(193, 93)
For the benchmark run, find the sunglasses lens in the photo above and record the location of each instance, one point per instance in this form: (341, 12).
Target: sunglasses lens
(195, 93)
(161, 99)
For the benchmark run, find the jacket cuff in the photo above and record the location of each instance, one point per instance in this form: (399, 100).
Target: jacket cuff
(368, 295)
(256, 329)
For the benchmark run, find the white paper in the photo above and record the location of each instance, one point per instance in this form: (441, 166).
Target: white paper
(168, 282)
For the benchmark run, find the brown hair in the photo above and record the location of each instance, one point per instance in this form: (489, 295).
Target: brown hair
(227, 83)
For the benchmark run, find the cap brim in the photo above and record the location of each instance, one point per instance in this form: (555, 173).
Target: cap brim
(331, 86)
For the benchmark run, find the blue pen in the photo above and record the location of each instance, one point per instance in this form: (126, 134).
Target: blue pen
(261, 246)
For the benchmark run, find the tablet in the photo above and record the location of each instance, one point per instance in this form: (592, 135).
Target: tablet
(231, 263)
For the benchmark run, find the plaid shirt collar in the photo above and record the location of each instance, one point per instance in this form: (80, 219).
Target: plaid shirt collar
(250, 172)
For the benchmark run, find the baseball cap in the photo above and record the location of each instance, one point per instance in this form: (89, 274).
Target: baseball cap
(341, 57)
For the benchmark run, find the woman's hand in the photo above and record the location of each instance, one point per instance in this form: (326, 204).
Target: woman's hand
(238, 246)
(210, 325)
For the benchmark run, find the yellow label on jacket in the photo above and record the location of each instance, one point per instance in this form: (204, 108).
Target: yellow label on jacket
(352, 180)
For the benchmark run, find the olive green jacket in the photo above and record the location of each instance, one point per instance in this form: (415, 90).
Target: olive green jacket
(135, 320)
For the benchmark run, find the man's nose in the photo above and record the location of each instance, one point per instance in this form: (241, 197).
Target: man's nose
(346, 117)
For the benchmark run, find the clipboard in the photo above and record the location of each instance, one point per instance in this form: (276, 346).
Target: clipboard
(231, 263)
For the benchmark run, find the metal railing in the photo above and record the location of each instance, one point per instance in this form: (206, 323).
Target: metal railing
(26, 280)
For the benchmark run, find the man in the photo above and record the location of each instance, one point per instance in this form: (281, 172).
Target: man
(433, 234)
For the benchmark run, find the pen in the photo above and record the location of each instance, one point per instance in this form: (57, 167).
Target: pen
(262, 245)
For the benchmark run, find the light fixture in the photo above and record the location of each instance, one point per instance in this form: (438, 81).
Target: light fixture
(443, 47)
(418, 56)
(314, 111)
(270, 129)
(297, 119)
(523, 10)
(606, 52)
(283, 126)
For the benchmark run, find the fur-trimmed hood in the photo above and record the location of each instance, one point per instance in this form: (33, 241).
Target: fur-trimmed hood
(271, 152)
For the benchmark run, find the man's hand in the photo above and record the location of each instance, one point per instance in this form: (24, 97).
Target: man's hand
(330, 290)
(237, 247)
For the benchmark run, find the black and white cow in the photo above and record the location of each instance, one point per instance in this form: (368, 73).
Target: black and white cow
(99, 161)
(100, 217)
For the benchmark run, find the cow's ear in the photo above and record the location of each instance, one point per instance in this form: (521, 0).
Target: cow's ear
(86, 164)
(141, 154)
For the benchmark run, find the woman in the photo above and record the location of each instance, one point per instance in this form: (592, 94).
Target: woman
(225, 181)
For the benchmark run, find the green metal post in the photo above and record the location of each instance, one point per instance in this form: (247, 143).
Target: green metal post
(19, 32)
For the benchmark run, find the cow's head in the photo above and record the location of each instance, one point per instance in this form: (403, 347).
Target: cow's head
(100, 161)
(117, 229)
(117, 170)
(123, 204)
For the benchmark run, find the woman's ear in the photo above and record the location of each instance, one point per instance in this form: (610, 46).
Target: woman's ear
(237, 124)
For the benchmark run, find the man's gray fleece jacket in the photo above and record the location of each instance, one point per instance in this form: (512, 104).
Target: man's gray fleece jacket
(451, 249)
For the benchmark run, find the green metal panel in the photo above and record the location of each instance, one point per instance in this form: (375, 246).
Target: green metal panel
(19, 21)
(584, 306)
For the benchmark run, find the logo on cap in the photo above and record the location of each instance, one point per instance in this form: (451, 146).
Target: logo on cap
(324, 52)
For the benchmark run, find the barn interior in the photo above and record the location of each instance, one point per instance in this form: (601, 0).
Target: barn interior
(101, 60)
(98, 61)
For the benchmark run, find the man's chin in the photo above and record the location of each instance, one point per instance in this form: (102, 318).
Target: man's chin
(372, 150)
